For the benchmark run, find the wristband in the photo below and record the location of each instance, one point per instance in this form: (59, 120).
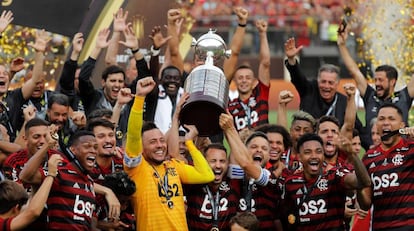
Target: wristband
(134, 51)
(48, 174)
(155, 52)
(242, 25)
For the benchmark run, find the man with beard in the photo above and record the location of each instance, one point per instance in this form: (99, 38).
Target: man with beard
(158, 202)
(312, 197)
(58, 115)
(219, 199)
(107, 161)
(113, 76)
(328, 129)
(390, 165)
(385, 78)
(280, 142)
(260, 193)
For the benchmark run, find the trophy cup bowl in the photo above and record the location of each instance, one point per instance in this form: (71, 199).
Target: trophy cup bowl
(207, 86)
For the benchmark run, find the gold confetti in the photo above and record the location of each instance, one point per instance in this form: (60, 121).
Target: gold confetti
(14, 43)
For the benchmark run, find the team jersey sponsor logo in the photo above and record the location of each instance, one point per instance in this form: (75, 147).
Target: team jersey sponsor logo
(313, 207)
(300, 180)
(82, 208)
(242, 122)
(243, 205)
(386, 180)
(376, 153)
(206, 207)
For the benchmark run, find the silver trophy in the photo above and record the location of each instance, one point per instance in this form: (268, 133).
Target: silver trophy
(207, 86)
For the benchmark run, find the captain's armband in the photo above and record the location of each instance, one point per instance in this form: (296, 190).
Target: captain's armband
(132, 162)
(263, 178)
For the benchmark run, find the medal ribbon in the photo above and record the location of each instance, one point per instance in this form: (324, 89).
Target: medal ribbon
(215, 205)
(163, 183)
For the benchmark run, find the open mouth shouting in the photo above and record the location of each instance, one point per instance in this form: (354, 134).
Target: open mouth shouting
(115, 91)
(90, 161)
(329, 147)
(314, 165)
(218, 174)
(258, 158)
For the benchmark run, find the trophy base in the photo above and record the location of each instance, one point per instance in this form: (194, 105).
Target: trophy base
(204, 115)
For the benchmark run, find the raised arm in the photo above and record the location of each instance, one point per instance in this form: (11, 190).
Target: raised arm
(158, 41)
(264, 65)
(349, 62)
(201, 172)
(41, 41)
(134, 139)
(101, 43)
(229, 65)
(86, 87)
(131, 42)
(124, 97)
(172, 135)
(173, 16)
(291, 51)
(119, 25)
(285, 97)
(67, 78)
(38, 201)
(350, 112)
(6, 18)
(29, 113)
(359, 179)
(238, 150)
(297, 77)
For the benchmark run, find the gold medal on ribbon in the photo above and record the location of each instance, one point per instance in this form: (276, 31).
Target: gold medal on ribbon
(170, 204)
(119, 135)
(291, 219)
(214, 229)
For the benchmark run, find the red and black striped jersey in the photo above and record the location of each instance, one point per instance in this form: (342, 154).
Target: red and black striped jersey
(5, 224)
(392, 176)
(264, 203)
(200, 209)
(71, 200)
(256, 105)
(98, 175)
(323, 206)
(14, 164)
